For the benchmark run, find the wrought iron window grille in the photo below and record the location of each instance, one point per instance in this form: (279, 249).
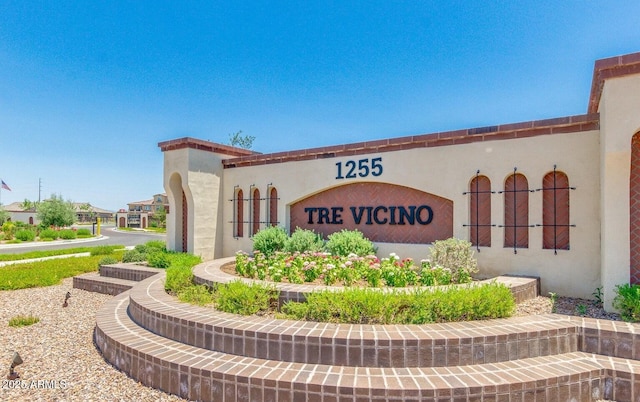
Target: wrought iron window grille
(234, 202)
(477, 225)
(555, 224)
(515, 225)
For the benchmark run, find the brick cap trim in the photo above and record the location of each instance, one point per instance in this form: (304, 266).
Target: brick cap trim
(194, 143)
(612, 67)
(561, 125)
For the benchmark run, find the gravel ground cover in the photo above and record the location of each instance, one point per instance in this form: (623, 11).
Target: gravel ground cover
(61, 362)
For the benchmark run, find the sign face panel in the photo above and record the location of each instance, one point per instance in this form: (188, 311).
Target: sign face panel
(383, 212)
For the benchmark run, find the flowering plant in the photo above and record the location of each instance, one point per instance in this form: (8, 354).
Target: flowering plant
(328, 269)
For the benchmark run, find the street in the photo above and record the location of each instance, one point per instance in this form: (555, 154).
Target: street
(109, 236)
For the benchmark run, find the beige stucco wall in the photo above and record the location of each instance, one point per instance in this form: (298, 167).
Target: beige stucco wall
(198, 173)
(446, 171)
(24, 217)
(619, 121)
(596, 162)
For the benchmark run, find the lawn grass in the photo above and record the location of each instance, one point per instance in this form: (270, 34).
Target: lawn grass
(48, 272)
(50, 253)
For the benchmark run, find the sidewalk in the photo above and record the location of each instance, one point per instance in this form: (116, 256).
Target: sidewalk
(5, 263)
(49, 243)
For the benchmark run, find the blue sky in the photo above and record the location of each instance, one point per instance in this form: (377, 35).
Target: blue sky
(88, 89)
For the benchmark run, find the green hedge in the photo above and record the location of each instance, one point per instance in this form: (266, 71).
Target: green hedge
(25, 235)
(369, 306)
(627, 301)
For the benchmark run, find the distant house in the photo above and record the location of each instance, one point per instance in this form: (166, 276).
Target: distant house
(19, 214)
(85, 212)
(139, 213)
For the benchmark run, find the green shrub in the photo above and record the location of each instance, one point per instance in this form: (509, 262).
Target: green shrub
(304, 240)
(435, 276)
(26, 235)
(246, 299)
(48, 234)
(455, 255)
(183, 260)
(8, 229)
(84, 232)
(199, 295)
(22, 225)
(178, 278)
(107, 261)
(133, 256)
(627, 302)
(156, 245)
(270, 240)
(353, 305)
(23, 320)
(68, 234)
(142, 252)
(348, 242)
(141, 248)
(369, 306)
(459, 303)
(158, 259)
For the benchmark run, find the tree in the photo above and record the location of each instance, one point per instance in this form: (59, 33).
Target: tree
(56, 212)
(241, 141)
(160, 216)
(28, 205)
(4, 215)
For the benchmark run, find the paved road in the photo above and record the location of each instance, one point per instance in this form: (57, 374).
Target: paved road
(109, 236)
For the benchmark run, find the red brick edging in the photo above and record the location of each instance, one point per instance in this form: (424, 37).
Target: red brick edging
(602, 362)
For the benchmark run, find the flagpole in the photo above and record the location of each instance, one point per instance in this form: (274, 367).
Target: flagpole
(3, 185)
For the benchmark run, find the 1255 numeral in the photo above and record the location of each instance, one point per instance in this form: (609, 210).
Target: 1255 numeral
(360, 168)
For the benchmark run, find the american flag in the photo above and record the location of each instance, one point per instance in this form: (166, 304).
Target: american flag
(4, 185)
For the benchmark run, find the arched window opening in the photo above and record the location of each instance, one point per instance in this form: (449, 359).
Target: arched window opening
(255, 220)
(516, 211)
(480, 211)
(273, 206)
(555, 211)
(185, 223)
(239, 213)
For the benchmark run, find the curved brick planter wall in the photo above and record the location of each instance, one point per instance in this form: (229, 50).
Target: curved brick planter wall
(218, 357)
(199, 374)
(430, 345)
(209, 273)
